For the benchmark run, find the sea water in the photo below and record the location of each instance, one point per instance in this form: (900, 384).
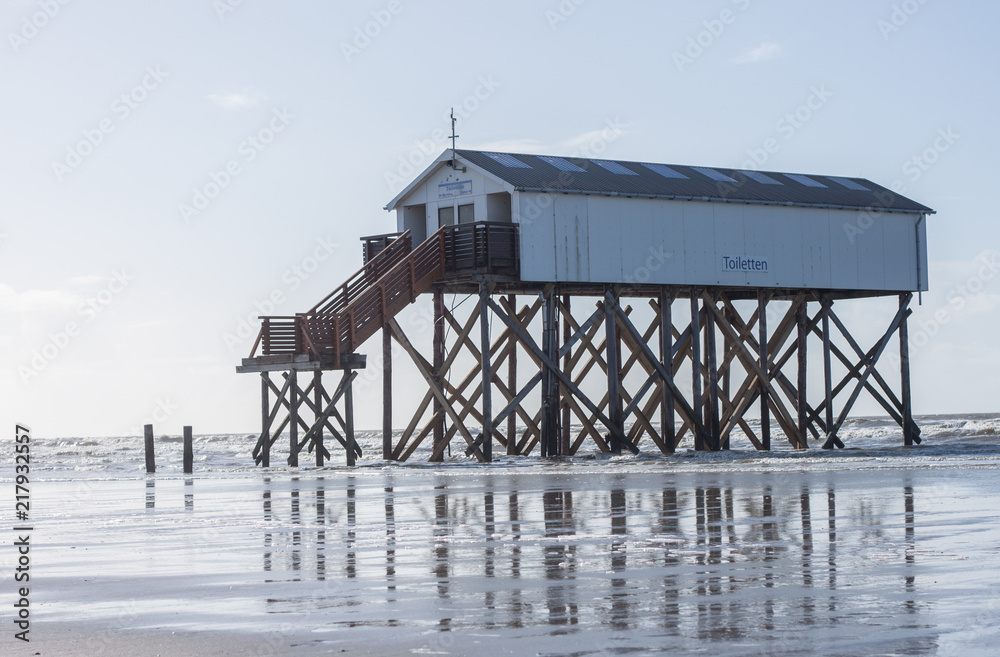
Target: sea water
(876, 550)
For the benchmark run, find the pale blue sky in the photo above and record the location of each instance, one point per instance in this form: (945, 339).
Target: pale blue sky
(347, 117)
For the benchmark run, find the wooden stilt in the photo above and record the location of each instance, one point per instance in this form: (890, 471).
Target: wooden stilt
(265, 423)
(696, 374)
(386, 394)
(438, 360)
(765, 414)
(188, 451)
(909, 435)
(550, 387)
(512, 385)
(318, 445)
(293, 414)
(564, 424)
(713, 376)
(828, 373)
(349, 420)
(803, 406)
(667, 418)
(614, 383)
(487, 369)
(150, 457)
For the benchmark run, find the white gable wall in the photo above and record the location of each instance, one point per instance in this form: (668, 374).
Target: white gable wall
(443, 187)
(598, 239)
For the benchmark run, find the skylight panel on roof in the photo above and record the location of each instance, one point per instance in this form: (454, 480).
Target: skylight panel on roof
(803, 180)
(849, 184)
(717, 176)
(508, 161)
(561, 164)
(665, 171)
(761, 178)
(614, 167)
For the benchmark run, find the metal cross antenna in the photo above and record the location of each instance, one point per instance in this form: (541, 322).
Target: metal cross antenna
(454, 138)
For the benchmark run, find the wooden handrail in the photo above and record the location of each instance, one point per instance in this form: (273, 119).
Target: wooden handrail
(385, 255)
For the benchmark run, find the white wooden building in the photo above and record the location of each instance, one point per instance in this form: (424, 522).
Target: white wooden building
(615, 222)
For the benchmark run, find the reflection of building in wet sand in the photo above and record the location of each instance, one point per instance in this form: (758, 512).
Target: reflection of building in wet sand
(711, 562)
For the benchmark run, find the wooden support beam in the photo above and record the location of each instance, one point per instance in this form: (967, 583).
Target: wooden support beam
(688, 411)
(293, 429)
(532, 347)
(564, 423)
(318, 402)
(386, 394)
(512, 385)
(803, 406)
(713, 371)
(550, 387)
(696, 373)
(612, 359)
(831, 438)
(909, 435)
(349, 422)
(265, 437)
(436, 373)
(903, 313)
(484, 324)
(667, 419)
(265, 419)
(765, 415)
(435, 387)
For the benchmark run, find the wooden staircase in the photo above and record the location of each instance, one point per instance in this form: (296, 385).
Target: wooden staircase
(359, 308)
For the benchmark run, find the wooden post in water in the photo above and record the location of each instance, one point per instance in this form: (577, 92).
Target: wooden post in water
(802, 319)
(188, 451)
(293, 419)
(904, 376)
(713, 379)
(349, 423)
(565, 441)
(150, 460)
(696, 381)
(487, 369)
(438, 365)
(828, 373)
(667, 419)
(265, 413)
(614, 373)
(765, 414)
(386, 394)
(512, 383)
(318, 401)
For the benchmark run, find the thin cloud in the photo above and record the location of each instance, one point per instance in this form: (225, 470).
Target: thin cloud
(236, 100)
(761, 53)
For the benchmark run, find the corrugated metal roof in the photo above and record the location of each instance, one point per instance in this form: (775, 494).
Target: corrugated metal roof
(698, 183)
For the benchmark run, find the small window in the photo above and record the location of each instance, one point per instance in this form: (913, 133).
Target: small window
(507, 160)
(665, 171)
(467, 214)
(849, 184)
(561, 164)
(446, 216)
